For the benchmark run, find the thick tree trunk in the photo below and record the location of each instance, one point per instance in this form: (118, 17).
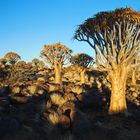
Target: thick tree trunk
(118, 92)
(82, 76)
(58, 76)
(133, 78)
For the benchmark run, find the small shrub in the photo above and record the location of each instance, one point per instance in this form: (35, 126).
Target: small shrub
(57, 99)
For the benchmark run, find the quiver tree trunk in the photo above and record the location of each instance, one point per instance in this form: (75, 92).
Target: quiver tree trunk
(118, 92)
(58, 75)
(133, 78)
(13, 71)
(82, 76)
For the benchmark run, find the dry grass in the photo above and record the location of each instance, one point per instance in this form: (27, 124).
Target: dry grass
(77, 89)
(57, 99)
(53, 118)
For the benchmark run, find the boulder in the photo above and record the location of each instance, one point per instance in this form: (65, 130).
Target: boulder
(20, 99)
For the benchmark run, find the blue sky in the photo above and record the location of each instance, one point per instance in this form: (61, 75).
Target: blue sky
(26, 25)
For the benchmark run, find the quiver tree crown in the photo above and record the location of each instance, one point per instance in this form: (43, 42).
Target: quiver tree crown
(56, 53)
(3, 61)
(82, 59)
(12, 57)
(114, 35)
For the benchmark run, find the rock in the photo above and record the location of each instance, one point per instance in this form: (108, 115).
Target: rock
(68, 106)
(20, 99)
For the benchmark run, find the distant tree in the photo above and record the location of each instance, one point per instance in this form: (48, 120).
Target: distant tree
(21, 64)
(83, 61)
(3, 61)
(36, 62)
(41, 64)
(12, 57)
(115, 38)
(56, 56)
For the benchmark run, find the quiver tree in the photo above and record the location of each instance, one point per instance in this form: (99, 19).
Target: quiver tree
(38, 63)
(83, 61)
(20, 64)
(3, 62)
(12, 57)
(56, 56)
(114, 36)
(35, 61)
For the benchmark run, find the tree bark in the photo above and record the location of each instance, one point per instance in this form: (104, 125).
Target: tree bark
(118, 92)
(133, 78)
(82, 76)
(58, 76)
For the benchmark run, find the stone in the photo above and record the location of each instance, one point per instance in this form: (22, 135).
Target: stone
(20, 99)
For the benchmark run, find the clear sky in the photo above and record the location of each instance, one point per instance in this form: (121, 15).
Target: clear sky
(26, 25)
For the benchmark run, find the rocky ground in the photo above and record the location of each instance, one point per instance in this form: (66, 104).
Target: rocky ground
(73, 113)
(40, 110)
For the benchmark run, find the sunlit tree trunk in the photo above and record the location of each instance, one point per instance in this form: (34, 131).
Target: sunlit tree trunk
(118, 92)
(82, 76)
(133, 78)
(58, 76)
